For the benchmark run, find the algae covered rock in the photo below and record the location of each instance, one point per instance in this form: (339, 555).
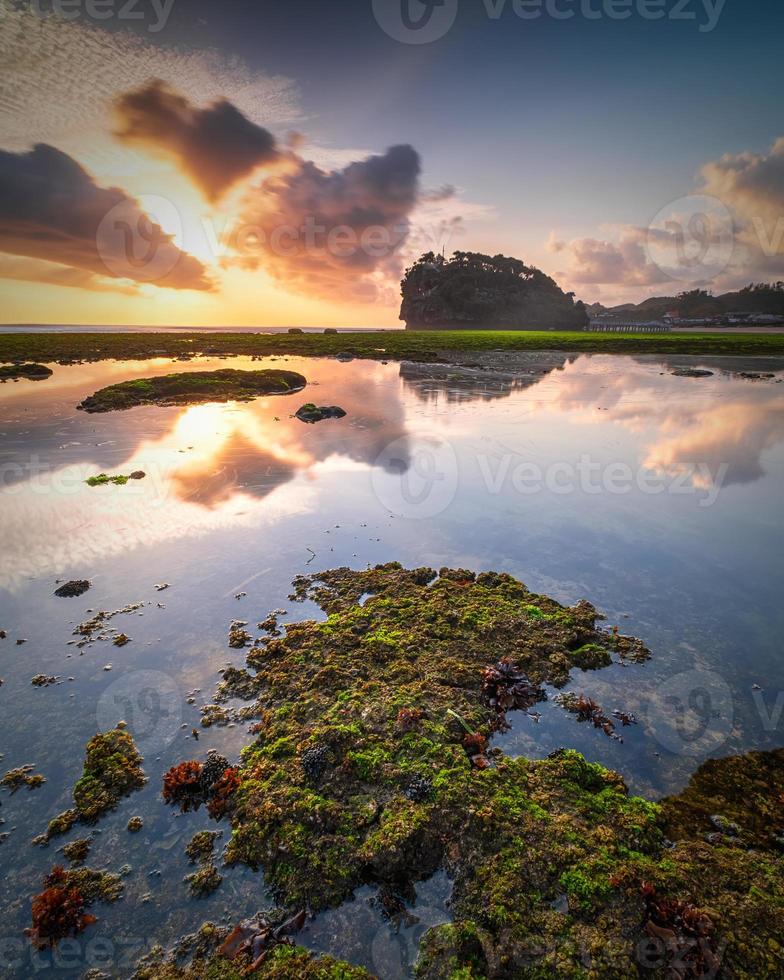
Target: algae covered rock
(333, 790)
(311, 413)
(32, 372)
(112, 770)
(372, 762)
(194, 387)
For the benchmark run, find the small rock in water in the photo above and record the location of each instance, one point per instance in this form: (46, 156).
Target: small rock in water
(72, 590)
(692, 373)
(121, 640)
(41, 680)
(311, 413)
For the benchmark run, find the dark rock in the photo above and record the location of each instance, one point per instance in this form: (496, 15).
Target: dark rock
(71, 590)
(314, 762)
(314, 413)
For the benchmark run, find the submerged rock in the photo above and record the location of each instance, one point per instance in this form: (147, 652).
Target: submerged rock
(692, 373)
(194, 387)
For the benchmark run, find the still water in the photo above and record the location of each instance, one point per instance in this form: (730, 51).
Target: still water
(656, 496)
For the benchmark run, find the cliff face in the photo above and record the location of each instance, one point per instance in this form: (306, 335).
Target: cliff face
(484, 292)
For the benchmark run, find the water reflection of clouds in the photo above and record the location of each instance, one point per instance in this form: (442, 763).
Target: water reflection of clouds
(208, 466)
(212, 467)
(724, 423)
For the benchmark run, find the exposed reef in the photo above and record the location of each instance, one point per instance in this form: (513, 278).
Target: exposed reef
(192, 388)
(373, 762)
(374, 722)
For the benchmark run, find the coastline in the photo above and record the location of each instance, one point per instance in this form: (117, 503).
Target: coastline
(68, 347)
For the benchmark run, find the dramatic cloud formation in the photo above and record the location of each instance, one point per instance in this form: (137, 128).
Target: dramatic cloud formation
(215, 146)
(51, 209)
(332, 233)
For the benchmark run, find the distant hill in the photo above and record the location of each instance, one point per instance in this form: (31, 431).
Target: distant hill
(485, 292)
(755, 298)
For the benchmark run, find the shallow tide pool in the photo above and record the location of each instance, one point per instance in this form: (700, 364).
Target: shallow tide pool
(655, 495)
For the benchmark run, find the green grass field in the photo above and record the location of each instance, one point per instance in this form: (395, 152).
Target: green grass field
(51, 347)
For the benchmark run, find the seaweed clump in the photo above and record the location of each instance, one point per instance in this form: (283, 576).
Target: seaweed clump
(190, 784)
(60, 910)
(15, 779)
(192, 388)
(119, 480)
(257, 947)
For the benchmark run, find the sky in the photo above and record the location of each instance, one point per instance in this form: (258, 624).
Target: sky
(165, 162)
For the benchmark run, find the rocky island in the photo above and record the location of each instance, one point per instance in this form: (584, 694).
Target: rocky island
(485, 292)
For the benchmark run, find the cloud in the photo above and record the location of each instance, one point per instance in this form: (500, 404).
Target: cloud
(751, 185)
(51, 209)
(59, 79)
(728, 231)
(625, 263)
(51, 274)
(332, 233)
(215, 146)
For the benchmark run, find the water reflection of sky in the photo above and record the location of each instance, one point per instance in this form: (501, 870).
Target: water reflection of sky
(436, 466)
